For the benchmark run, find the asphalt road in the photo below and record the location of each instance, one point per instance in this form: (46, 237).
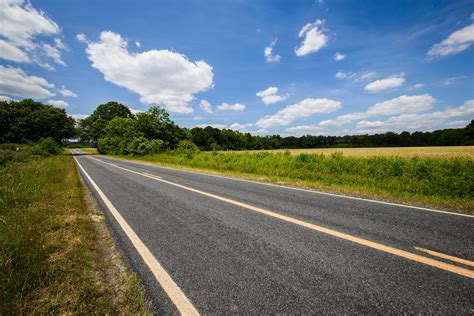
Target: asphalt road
(232, 246)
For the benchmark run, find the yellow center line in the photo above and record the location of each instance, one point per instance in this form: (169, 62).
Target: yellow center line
(361, 241)
(445, 256)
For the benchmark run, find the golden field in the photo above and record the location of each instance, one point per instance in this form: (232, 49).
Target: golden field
(434, 152)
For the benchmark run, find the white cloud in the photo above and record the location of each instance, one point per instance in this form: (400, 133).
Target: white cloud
(21, 24)
(198, 118)
(81, 37)
(67, 93)
(341, 75)
(305, 108)
(14, 81)
(205, 106)
(403, 104)
(231, 107)
(240, 127)
(305, 130)
(424, 121)
(356, 76)
(454, 44)
(158, 76)
(453, 80)
(219, 126)
(5, 98)
(384, 84)
(138, 44)
(270, 96)
(314, 38)
(9, 51)
(54, 53)
(79, 117)
(338, 56)
(58, 103)
(268, 53)
(417, 86)
(136, 111)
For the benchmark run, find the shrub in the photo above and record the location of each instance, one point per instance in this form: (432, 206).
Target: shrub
(46, 147)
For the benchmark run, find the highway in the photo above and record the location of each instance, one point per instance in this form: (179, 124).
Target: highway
(205, 244)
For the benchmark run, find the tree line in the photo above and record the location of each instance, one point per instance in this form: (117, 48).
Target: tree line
(113, 128)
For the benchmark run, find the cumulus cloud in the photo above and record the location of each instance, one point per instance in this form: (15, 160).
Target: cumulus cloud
(58, 103)
(385, 84)
(305, 108)
(240, 127)
(67, 93)
(401, 105)
(10, 52)
(268, 53)
(14, 81)
(21, 24)
(5, 98)
(81, 37)
(79, 117)
(305, 130)
(338, 56)
(137, 44)
(231, 107)
(270, 96)
(453, 80)
(455, 43)
(159, 76)
(424, 121)
(219, 126)
(205, 106)
(341, 75)
(314, 38)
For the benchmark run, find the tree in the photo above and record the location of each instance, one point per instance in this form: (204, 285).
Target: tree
(93, 127)
(28, 120)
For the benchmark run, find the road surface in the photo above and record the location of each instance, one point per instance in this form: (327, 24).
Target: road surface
(209, 244)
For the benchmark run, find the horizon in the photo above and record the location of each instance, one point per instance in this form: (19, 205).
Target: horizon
(311, 67)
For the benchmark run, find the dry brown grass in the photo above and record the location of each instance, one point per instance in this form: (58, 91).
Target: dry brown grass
(432, 152)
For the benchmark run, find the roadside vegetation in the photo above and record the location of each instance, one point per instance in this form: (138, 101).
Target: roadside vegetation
(56, 256)
(446, 183)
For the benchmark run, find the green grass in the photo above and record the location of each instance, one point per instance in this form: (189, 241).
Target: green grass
(446, 183)
(54, 256)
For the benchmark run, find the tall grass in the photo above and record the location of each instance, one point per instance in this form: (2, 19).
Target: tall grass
(49, 250)
(444, 182)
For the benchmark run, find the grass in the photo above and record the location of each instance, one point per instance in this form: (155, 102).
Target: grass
(445, 183)
(56, 256)
(431, 152)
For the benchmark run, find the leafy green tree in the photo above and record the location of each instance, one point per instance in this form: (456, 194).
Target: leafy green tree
(93, 127)
(28, 120)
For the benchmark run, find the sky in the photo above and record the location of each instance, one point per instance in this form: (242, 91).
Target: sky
(266, 67)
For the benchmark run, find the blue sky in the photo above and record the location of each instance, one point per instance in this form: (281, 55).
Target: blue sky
(287, 67)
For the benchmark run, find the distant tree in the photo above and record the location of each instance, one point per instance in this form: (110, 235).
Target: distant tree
(28, 120)
(93, 127)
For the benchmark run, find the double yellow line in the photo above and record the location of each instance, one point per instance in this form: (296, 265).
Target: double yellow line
(361, 241)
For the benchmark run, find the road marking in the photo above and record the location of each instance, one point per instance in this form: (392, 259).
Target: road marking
(152, 175)
(296, 189)
(182, 303)
(371, 244)
(445, 256)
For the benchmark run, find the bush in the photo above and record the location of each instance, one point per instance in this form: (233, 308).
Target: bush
(46, 147)
(141, 146)
(187, 149)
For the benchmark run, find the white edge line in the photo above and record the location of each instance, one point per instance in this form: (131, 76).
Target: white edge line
(294, 188)
(176, 295)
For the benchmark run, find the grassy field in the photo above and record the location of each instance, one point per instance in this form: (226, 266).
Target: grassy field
(445, 183)
(432, 152)
(56, 255)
